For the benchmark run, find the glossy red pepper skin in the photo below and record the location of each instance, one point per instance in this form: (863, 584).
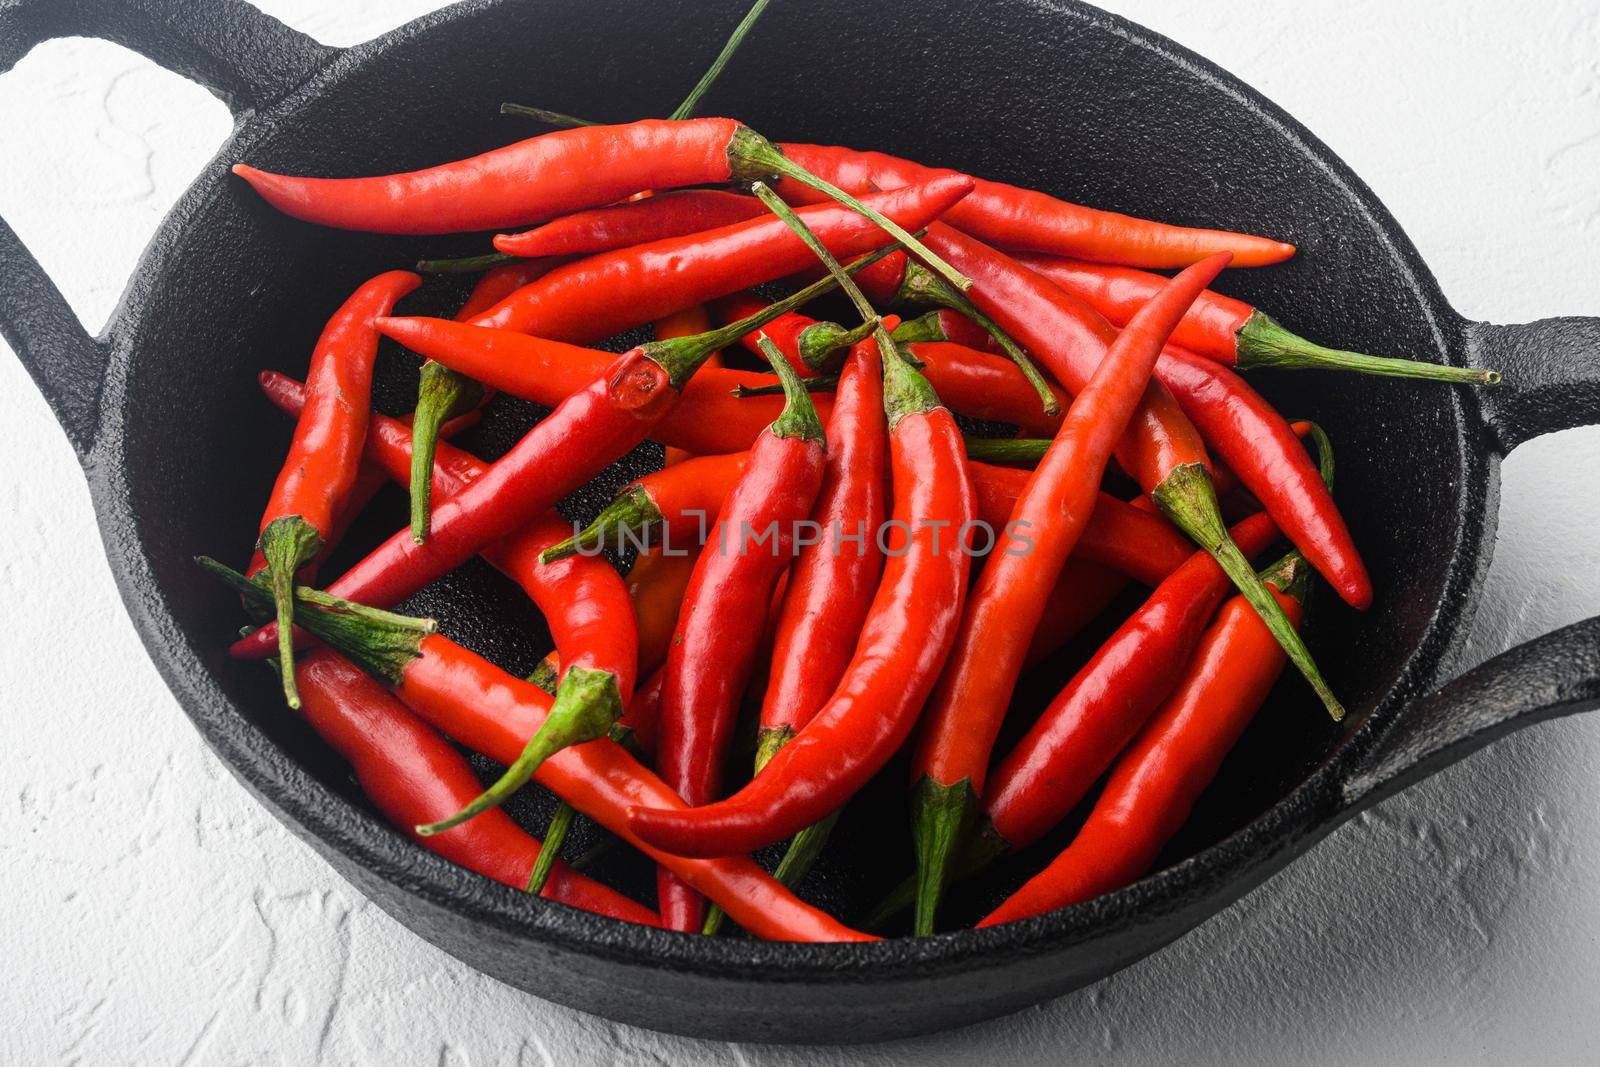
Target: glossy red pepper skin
(524, 183)
(1157, 780)
(987, 386)
(1014, 218)
(500, 282)
(832, 582)
(903, 645)
(1049, 519)
(1266, 455)
(714, 648)
(1211, 327)
(706, 419)
(647, 282)
(1109, 700)
(602, 229)
(586, 433)
(492, 712)
(412, 775)
(325, 453)
(583, 600)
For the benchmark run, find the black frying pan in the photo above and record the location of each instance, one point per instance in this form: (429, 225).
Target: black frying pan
(179, 449)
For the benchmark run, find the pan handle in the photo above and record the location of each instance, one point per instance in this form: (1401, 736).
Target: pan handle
(1549, 677)
(1552, 376)
(245, 57)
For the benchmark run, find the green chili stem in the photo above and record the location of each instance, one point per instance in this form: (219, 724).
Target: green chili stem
(692, 101)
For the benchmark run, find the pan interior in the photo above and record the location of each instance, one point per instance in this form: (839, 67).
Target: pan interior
(1021, 92)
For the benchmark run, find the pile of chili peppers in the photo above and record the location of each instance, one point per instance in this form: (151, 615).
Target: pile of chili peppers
(830, 548)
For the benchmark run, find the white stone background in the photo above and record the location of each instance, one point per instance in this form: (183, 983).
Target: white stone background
(154, 914)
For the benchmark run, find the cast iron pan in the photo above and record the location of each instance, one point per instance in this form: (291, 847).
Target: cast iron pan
(179, 448)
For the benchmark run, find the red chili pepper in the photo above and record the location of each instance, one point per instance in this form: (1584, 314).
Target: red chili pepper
(1162, 449)
(586, 433)
(963, 718)
(832, 582)
(412, 775)
(1105, 704)
(706, 420)
(482, 707)
(1266, 455)
(552, 175)
(1156, 782)
(1011, 217)
(325, 454)
(583, 600)
(1228, 330)
(713, 650)
(603, 295)
(986, 386)
(656, 217)
(524, 183)
(830, 587)
(443, 394)
(904, 641)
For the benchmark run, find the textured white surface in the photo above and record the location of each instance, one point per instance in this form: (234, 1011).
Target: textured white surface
(155, 914)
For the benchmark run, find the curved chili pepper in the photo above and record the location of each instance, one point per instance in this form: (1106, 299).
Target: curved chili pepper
(646, 282)
(555, 174)
(412, 775)
(1162, 449)
(810, 346)
(830, 587)
(832, 581)
(1011, 217)
(442, 393)
(985, 386)
(324, 458)
(904, 642)
(524, 183)
(587, 432)
(482, 707)
(602, 229)
(1266, 455)
(1168, 765)
(963, 718)
(713, 650)
(1227, 330)
(706, 420)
